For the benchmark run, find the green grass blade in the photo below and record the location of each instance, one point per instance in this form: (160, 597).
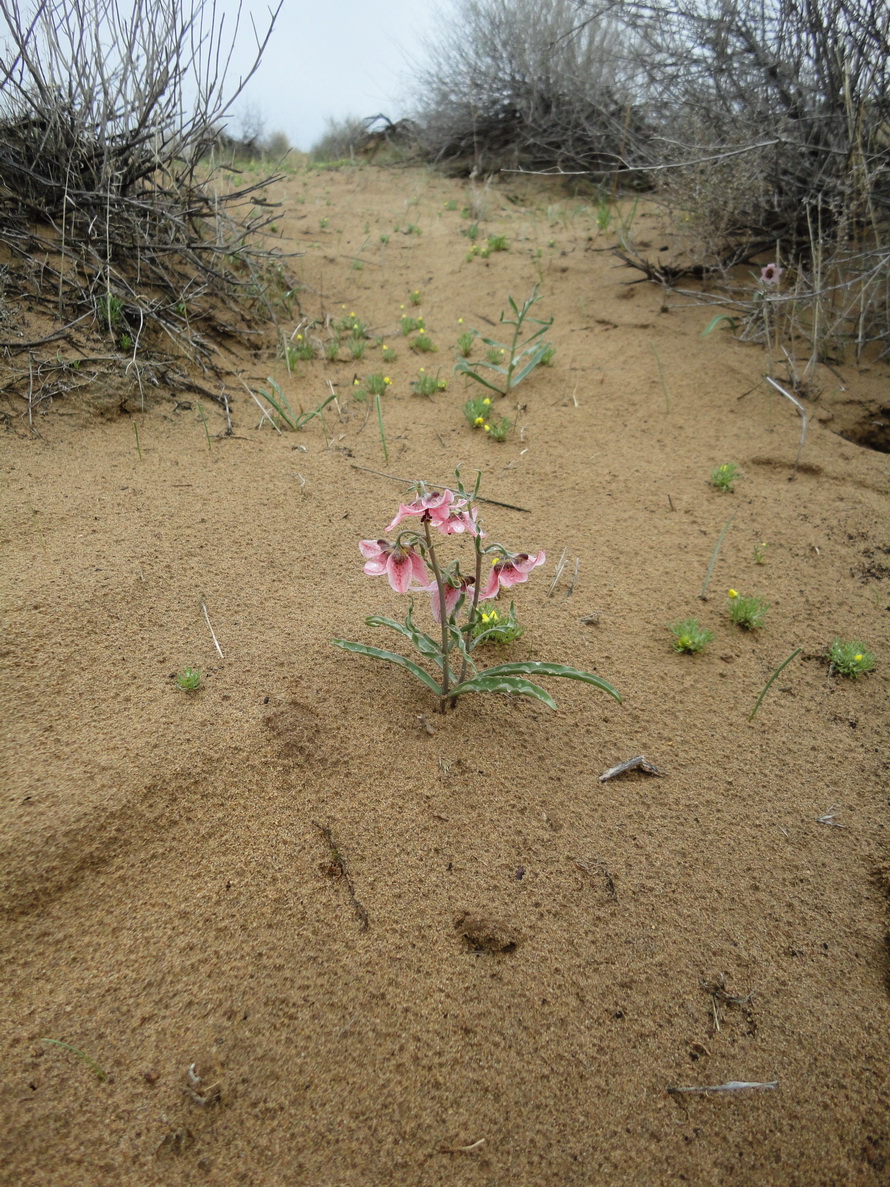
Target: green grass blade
(714, 555)
(307, 416)
(390, 657)
(91, 1063)
(543, 668)
(715, 322)
(287, 417)
(766, 686)
(509, 684)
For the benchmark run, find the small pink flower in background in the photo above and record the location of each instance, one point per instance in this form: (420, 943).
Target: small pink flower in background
(435, 503)
(452, 596)
(771, 275)
(505, 573)
(403, 566)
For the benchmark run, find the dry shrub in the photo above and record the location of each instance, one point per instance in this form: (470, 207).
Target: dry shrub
(111, 218)
(531, 83)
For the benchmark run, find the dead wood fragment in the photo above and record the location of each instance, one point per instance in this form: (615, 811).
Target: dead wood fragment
(632, 763)
(729, 1086)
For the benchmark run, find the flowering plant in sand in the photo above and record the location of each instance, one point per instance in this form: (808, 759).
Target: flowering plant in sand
(411, 561)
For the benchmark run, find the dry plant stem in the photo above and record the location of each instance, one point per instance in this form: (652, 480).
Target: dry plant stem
(440, 586)
(630, 765)
(438, 486)
(338, 861)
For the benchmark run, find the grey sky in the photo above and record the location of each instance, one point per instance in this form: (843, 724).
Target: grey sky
(330, 58)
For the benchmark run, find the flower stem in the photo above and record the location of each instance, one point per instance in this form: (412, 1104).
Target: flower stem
(476, 587)
(440, 586)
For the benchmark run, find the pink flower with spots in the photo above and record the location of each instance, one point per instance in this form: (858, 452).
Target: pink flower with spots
(771, 275)
(514, 571)
(404, 567)
(435, 504)
(458, 520)
(453, 594)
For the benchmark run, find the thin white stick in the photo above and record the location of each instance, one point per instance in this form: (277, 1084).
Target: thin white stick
(803, 415)
(730, 1086)
(210, 628)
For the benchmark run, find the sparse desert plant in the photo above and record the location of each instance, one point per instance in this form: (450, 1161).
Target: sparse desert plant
(851, 659)
(465, 344)
(410, 325)
(497, 243)
(415, 297)
(301, 348)
(689, 636)
(412, 563)
(747, 612)
(477, 411)
(724, 476)
(377, 384)
(519, 357)
(499, 428)
(287, 418)
(189, 679)
(423, 344)
(759, 554)
(426, 384)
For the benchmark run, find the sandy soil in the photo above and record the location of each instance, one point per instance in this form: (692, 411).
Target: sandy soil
(172, 899)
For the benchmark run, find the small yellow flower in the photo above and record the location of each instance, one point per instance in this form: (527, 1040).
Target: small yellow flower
(480, 420)
(299, 337)
(487, 428)
(460, 321)
(733, 594)
(422, 369)
(401, 307)
(355, 383)
(486, 400)
(857, 658)
(387, 380)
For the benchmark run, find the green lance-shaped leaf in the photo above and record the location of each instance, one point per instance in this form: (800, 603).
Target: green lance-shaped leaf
(510, 684)
(391, 658)
(424, 644)
(539, 352)
(543, 668)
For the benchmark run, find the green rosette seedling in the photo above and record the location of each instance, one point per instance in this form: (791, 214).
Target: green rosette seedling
(508, 363)
(748, 613)
(412, 563)
(850, 659)
(189, 679)
(724, 476)
(689, 637)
